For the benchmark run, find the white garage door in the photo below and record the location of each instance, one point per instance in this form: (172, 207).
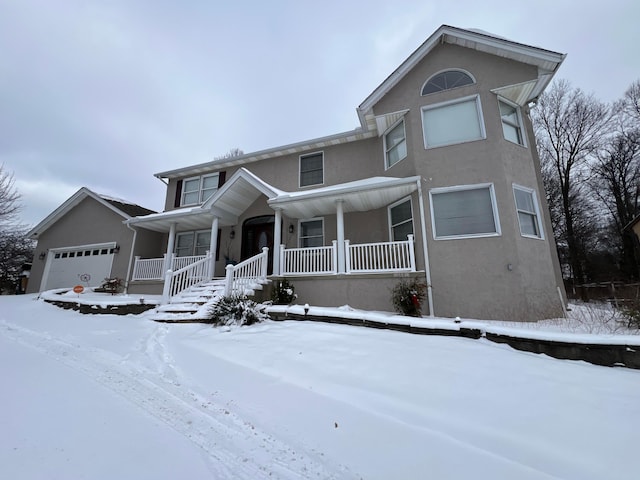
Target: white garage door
(86, 265)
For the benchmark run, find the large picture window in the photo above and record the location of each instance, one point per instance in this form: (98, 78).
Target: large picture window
(453, 122)
(311, 233)
(528, 214)
(400, 220)
(311, 169)
(465, 211)
(395, 144)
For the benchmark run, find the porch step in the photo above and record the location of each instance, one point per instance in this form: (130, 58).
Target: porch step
(192, 305)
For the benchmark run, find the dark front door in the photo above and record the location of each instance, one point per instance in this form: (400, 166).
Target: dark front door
(257, 233)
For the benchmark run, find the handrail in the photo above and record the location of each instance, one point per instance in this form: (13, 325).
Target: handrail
(247, 274)
(180, 280)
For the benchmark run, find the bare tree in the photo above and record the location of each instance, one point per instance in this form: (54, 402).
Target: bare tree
(9, 197)
(631, 101)
(570, 127)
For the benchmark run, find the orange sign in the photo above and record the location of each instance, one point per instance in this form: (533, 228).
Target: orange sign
(78, 289)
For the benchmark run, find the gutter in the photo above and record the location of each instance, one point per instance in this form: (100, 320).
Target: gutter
(427, 266)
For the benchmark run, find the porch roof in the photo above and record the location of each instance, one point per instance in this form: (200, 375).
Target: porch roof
(244, 188)
(358, 196)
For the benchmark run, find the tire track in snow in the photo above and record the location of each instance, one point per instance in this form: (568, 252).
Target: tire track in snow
(232, 448)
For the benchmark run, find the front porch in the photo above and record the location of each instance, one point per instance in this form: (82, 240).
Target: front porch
(180, 273)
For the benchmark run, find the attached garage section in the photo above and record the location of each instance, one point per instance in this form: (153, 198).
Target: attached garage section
(86, 265)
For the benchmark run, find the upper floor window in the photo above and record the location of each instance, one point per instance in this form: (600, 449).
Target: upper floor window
(311, 169)
(464, 211)
(452, 122)
(511, 122)
(400, 220)
(198, 189)
(528, 215)
(311, 233)
(395, 144)
(446, 81)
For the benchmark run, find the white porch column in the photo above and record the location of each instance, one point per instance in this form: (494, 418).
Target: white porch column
(277, 240)
(213, 247)
(340, 235)
(170, 247)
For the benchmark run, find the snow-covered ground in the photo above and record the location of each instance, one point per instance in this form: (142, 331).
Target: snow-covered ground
(105, 396)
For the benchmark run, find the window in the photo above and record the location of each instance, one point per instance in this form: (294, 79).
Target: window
(453, 122)
(528, 215)
(447, 80)
(311, 169)
(395, 144)
(193, 243)
(400, 220)
(467, 211)
(311, 233)
(199, 189)
(511, 125)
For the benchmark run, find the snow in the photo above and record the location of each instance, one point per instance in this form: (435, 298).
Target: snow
(106, 396)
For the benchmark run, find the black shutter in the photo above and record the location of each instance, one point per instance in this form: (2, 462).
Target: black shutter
(222, 177)
(177, 202)
(218, 246)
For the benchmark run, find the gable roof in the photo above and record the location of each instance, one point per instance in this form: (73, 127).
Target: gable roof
(546, 61)
(123, 208)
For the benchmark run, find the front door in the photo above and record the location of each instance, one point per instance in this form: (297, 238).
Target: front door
(257, 233)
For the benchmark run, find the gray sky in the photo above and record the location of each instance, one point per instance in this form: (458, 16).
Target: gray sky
(104, 94)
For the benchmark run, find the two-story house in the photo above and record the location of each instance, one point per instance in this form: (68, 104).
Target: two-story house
(440, 182)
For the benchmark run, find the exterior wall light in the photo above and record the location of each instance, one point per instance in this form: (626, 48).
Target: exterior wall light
(42, 255)
(232, 234)
(291, 228)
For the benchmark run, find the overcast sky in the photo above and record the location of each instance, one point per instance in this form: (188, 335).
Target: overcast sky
(104, 94)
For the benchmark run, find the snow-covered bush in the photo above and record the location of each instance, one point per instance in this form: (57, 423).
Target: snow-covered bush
(237, 310)
(283, 292)
(407, 297)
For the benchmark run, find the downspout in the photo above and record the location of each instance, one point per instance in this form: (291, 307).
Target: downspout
(427, 267)
(133, 246)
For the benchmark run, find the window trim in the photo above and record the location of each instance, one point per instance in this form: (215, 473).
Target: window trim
(458, 188)
(306, 155)
(387, 166)
(434, 106)
(194, 233)
(536, 207)
(305, 220)
(520, 125)
(391, 226)
(462, 70)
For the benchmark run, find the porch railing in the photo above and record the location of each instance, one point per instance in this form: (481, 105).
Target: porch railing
(247, 274)
(309, 261)
(155, 269)
(183, 278)
(380, 257)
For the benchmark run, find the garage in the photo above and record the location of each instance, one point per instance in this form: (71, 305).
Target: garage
(86, 265)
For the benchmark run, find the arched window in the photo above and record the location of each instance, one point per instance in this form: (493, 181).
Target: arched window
(447, 80)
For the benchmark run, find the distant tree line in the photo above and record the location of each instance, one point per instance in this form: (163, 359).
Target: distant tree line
(590, 160)
(16, 250)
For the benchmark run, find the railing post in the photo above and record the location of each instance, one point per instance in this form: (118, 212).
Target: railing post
(347, 256)
(136, 265)
(412, 252)
(335, 256)
(168, 277)
(281, 259)
(265, 261)
(228, 284)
